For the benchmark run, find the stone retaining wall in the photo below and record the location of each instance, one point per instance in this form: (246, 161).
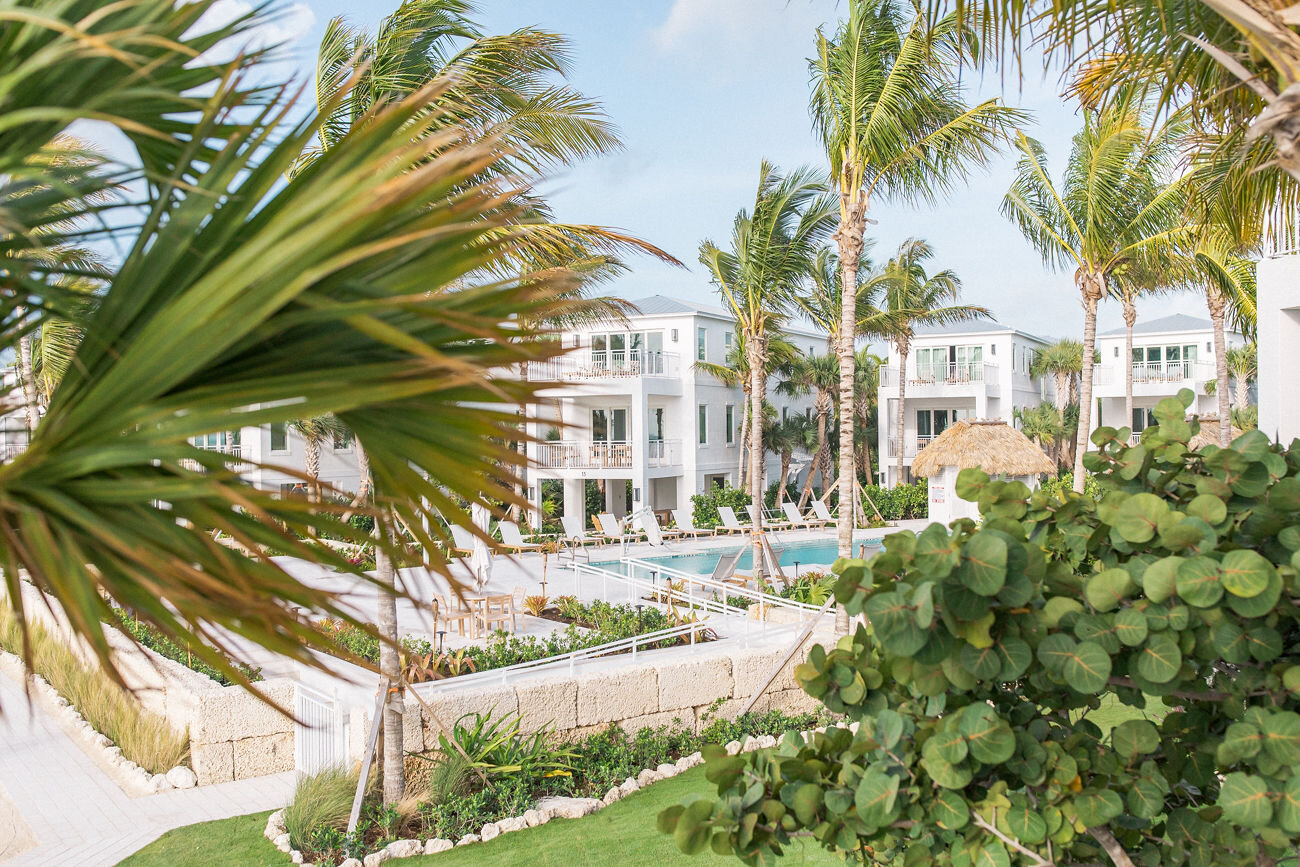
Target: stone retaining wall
(660, 688)
(233, 735)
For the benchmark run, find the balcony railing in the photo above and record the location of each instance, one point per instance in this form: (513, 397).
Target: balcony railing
(612, 364)
(912, 445)
(1156, 372)
(586, 455)
(955, 373)
(664, 453)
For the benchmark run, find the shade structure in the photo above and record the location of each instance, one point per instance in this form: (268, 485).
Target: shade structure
(1209, 433)
(990, 445)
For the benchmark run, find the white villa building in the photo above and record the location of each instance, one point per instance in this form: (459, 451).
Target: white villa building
(1278, 301)
(633, 406)
(969, 370)
(1169, 354)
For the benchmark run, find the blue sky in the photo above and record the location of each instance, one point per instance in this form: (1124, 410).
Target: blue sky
(702, 91)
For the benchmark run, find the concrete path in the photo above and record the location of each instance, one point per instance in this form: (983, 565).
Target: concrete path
(77, 815)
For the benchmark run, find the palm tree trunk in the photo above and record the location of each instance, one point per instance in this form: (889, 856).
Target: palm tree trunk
(28, 381)
(363, 473)
(1091, 287)
(1218, 308)
(757, 388)
(744, 440)
(390, 668)
(311, 463)
(1241, 392)
(904, 347)
(849, 238)
(806, 493)
(1062, 393)
(819, 460)
(865, 457)
(786, 457)
(1130, 317)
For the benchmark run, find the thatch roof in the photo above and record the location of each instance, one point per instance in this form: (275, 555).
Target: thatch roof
(1209, 433)
(993, 446)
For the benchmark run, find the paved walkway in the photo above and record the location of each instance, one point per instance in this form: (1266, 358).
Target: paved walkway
(79, 816)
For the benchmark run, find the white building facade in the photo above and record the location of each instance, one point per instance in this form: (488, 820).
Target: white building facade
(632, 405)
(1169, 354)
(974, 369)
(1278, 302)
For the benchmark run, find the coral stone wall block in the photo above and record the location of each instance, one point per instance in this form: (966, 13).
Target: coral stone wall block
(259, 756)
(694, 682)
(232, 713)
(452, 704)
(618, 694)
(548, 701)
(685, 717)
(213, 763)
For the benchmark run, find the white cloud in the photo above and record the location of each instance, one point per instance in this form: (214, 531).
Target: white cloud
(282, 27)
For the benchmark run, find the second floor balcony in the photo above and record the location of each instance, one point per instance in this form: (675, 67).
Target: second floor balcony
(603, 455)
(605, 366)
(911, 445)
(1158, 374)
(958, 377)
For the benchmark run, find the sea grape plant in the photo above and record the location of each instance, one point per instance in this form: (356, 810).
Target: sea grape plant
(966, 739)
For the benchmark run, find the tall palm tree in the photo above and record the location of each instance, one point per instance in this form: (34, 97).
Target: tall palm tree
(770, 254)
(866, 402)
(918, 298)
(1112, 210)
(1128, 288)
(1229, 283)
(1243, 364)
(783, 438)
(887, 105)
(1041, 423)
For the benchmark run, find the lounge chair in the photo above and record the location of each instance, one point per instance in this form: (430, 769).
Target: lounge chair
(822, 513)
(770, 523)
(797, 520)
(462, 541)
(729, 522)
(513, 540)
(686, 526)
(614, 530)
(575, 535)
(649, 525)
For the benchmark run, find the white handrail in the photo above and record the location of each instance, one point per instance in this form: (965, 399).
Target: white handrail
(623, 645)
(637, 586)
(767, 600)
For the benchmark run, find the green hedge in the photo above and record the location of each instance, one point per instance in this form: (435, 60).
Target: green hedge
(903, 503)
(706, 505)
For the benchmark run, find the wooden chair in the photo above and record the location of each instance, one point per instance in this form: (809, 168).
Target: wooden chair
(449, 610)
(497, 609)
(518, 596)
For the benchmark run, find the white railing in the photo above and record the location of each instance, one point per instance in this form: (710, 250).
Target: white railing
(574, 454)
(610, 364)
(1156, 372)
(320, 738)
(630, 646)
(913, 446)
(664, 453)
(660, 578)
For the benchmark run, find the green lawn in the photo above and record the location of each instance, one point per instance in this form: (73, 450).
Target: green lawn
(622, 834)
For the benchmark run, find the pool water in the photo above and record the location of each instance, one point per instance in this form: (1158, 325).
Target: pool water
(813, 554)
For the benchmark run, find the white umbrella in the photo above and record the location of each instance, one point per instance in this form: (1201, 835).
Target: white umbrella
(481, 561)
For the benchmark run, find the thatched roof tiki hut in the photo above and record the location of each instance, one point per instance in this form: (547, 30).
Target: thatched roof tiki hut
(991, 445)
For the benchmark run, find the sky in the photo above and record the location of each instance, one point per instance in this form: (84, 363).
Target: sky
(702, 91)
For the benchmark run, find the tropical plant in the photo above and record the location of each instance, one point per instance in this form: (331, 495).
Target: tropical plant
(1063, 361)
(769, 256)
(783, 438)
(1229, 282)
(888, 108)
(866, 400)
(918, 298)
(1041, 424)
(322, 799)
(535, 605)
(1243, 364)
(1172, 590)
(819, 374)
(1112, 212)
(497, 746)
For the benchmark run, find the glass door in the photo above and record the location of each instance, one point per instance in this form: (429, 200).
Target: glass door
(599, 352)
(654, 346)
(618, 352)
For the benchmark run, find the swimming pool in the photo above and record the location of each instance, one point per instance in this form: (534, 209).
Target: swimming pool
(813, 554)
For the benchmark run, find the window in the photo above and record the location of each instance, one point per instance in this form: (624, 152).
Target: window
(701, 344)
(730, 424)
(703, 425)
(932, 422)
(657, 424)
(1142, 419)
(727, 338)
(674, 335)
(342, 440)
(609, 425)
(279, 437)
(785, 414)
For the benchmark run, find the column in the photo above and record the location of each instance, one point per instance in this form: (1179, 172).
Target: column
(640, 439)
(535, 513)
(575, 503)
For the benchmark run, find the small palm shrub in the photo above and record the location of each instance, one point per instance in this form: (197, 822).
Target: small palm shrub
(499, 747)
(535, 605)
(145, 738)
(320, 800)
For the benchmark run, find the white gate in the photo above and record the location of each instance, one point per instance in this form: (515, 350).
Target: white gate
(320, 733)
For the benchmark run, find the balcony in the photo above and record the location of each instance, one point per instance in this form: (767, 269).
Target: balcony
(911, 445)
(589, 455)
(936, 380)
(604, 366)
(231, 449)
(1150, 377)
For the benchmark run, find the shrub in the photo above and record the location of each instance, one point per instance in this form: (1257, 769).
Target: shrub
(351, 638)
(144, 737)
(449, 777)
(1059, 485)
(706, 505)
(989, 643)
(498, 747)
(321, 800)
(168, 649)
(902, 503)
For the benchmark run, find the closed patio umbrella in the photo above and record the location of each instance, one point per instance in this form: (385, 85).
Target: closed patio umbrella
(481, 560)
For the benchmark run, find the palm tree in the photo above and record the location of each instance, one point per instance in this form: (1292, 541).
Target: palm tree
(1243, 364)
(866, 389)
(783, 438)
(314, 432)
(1129, 287)
(733, 372)
(820, 375)
(1041, 423)
(388, 251)
(887, 105)
(1112, 211)
(917, 298)
(1063, 361)
(770, 255)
